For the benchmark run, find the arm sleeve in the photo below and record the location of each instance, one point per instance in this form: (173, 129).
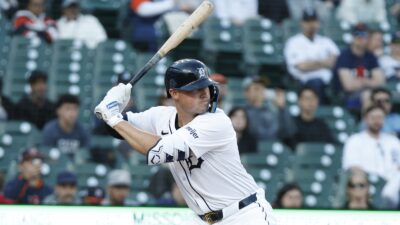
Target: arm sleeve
(350, 154)
(209, 132)
(287, 125)
(47, 139)
(146, 120)
(13, 188)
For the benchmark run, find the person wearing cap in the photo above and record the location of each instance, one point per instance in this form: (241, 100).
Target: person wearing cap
(268, 118)
(28, 187)
(390, 63)
(32, 21)
(357, 71)
(65, 192)
(75, 25)
(310, 57)
(362, 11)
(35, 107)
(92, 195)
(118, 187)
(65, 132)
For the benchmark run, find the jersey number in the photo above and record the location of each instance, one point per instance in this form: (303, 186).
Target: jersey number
(192, 164)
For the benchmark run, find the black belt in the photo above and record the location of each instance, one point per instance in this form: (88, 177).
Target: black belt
(216, 216)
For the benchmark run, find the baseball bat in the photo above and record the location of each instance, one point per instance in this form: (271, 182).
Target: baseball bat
(184, 30)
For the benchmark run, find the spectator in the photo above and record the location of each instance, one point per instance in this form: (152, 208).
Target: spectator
(174, 199)
(357, 190)
(223, 89)
(35, 107)
(325, 8)
(383, 98)
(246, 142)
(32, 21)
(28, 187)
(8, 7)
(309, 128)
(362, 11)
(236, 11)
(188, 6)
(376, 152)
(75, 25)
(391, 63)
(275, 10)
(144, 15)
(92, 196)
(375, 42)
(268, 120)
(357, 70)
(3, 200)
(310, 57)
(65, 132)
(7, 107)
(160, 182)
(289, 196)
(65, 192)
(119, 184)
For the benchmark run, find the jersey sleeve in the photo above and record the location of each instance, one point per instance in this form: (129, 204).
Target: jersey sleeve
(147, 120)
(293, 52)
(208, 132)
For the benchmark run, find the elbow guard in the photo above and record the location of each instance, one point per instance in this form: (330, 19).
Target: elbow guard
(168, 149)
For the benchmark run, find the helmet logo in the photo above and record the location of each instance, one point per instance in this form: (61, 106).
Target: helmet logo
(202, 72)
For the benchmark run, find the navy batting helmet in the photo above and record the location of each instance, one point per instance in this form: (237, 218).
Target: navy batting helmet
(189, 75)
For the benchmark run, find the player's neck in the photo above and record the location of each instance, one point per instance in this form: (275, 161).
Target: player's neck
(183, 119)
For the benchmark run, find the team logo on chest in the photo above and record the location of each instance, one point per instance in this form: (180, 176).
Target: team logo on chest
(194, 163)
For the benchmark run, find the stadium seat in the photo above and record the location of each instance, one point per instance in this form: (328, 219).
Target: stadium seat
(108, 13)
(25, 55)
(190, 47)
(263, 50)
(317, 156)
(222, 47)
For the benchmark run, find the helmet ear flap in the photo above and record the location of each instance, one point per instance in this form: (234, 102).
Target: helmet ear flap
(214, 92)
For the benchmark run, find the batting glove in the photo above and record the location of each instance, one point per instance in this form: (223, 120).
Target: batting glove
(121, 94)
(109, 112)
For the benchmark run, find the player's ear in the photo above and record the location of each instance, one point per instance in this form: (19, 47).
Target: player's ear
(173, 93)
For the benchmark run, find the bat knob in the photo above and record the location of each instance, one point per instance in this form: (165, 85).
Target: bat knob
(98, 115)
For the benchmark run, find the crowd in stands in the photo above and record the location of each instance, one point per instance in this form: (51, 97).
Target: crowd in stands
(356, 76)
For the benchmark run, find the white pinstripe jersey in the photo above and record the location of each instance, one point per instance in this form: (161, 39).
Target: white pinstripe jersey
(213, 177)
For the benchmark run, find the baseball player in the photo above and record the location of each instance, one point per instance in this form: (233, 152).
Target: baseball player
(197, 141)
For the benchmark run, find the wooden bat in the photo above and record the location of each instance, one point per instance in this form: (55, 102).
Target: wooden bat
(183, 31)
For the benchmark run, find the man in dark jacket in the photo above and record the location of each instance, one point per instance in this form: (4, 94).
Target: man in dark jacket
(36, 107)
(28, 187)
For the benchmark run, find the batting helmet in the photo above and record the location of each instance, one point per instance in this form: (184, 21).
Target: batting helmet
(189, 75)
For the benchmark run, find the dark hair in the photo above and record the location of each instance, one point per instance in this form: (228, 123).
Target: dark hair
(380, 90)
(67, 98)
(36, 75)
(283, 190)
(371, 108)
(307, 88)
(238, 108)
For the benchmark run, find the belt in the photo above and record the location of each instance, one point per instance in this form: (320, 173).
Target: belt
(216, 216)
